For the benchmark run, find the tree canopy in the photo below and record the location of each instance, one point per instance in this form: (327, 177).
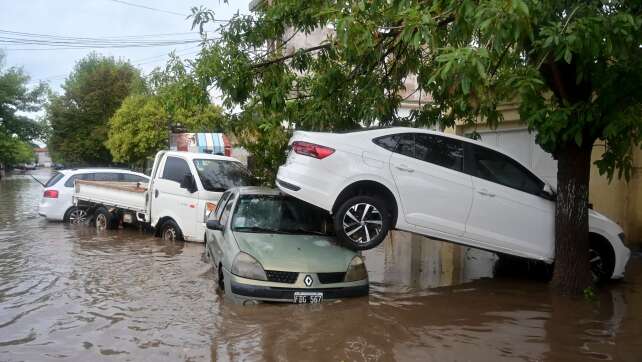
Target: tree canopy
(79, 117)
(174, 101)
(573, 66)
(16, 130)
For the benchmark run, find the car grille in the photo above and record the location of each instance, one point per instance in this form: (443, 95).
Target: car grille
(327, 278)
(281, 276)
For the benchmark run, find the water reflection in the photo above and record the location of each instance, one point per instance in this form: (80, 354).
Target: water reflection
(406, 261)
(72, 293)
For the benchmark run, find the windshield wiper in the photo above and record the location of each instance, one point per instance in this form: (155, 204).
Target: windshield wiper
(256, 229)
(305, 231)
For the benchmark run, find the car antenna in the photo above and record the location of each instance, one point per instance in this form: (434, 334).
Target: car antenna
(38, 181)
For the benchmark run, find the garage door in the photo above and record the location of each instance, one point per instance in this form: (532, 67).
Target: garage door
(520, 144)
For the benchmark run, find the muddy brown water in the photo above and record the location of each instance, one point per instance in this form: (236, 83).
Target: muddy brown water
(68, 293)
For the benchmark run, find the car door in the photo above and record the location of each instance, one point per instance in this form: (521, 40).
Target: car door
(510, 212)
(169, 199)
(428, 172)
(216, 238)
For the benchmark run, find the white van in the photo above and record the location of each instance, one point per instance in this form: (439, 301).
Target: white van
(184, 188)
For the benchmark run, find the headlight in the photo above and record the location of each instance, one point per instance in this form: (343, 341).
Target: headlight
(246, 266)
(356, 270)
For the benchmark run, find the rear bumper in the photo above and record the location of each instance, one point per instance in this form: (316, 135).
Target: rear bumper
(310, 184)
(287, 294)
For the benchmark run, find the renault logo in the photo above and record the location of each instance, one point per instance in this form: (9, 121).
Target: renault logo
(307, 280)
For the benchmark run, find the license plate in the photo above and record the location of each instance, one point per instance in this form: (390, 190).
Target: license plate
(308, 297)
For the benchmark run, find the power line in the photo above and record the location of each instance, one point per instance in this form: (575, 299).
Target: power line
(149, 8)
(163, 11)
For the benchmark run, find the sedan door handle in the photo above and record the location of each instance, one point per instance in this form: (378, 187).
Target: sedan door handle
(485, 192)
(404, 168)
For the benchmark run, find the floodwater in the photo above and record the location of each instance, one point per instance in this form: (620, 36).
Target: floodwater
(68, 293)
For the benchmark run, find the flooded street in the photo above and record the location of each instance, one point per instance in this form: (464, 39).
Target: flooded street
(69, 293)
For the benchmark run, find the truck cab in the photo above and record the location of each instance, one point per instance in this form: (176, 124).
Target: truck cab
(185, 187)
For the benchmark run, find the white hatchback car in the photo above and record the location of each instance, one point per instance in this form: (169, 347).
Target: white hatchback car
(439, 185)
(57, 204)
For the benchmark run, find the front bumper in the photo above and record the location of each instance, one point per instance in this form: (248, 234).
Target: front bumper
(287, 294)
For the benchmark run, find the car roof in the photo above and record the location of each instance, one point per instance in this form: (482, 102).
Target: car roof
(255, 190)
(394, 130)
(75, 171)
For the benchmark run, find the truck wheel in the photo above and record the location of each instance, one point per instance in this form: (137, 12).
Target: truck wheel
(75, 215)
(171, 232)
(362, 222)
(105, 220)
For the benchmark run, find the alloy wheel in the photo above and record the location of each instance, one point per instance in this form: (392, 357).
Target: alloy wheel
(362, 223)
(77, 216)
(597, 265)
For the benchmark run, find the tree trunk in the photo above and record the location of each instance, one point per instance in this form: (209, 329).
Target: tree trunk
(572, 272)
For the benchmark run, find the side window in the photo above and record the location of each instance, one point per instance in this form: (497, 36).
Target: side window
(175, 169)
(128, 177)
(441, 151)
(227, 210)
(220, 206)
(106, 176)
(498, 168)
(81, 176)
(387, 142)
(406, 145)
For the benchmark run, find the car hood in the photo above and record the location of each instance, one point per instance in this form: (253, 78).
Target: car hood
(297, 253)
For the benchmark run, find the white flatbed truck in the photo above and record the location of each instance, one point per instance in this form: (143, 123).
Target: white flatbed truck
(184, 188)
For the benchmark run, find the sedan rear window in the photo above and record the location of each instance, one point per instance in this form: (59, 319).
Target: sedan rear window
(54, 179)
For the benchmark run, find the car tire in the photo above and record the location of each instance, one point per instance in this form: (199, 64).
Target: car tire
(170, 231)
(220, 280)
(75, 215)
(602, 260)
(105, 220)
(362, 222)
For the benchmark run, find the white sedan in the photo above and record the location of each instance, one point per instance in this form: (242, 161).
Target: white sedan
(439, 185)
(57, 204)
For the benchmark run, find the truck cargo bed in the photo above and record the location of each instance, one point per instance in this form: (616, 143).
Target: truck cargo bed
(124, 195)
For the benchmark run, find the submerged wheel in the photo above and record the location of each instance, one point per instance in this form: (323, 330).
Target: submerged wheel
(170, 231)
(362, 222)
(602, 260)
(75, 215)
(105, 220)
(220, 281)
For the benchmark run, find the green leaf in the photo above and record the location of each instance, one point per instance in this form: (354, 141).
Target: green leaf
(568, 56)
(465, 85)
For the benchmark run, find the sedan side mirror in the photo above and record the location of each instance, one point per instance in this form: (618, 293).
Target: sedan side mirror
(189, 183)
(548, 192)
(214, 225)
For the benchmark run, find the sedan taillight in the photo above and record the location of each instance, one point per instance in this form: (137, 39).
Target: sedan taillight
(52, 194)
(311, 149)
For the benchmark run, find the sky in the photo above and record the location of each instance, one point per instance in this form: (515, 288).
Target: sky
(100, 19)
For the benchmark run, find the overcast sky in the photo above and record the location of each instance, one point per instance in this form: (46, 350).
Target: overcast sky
(98, 19)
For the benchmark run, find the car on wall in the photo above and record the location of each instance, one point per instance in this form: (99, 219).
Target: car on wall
(439, 185)
(268, 246)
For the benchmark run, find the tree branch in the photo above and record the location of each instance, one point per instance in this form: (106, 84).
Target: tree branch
(286, 57)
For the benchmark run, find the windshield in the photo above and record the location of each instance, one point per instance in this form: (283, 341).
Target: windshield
(54, 179)
(279, 214)
(220, 175)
